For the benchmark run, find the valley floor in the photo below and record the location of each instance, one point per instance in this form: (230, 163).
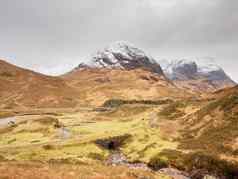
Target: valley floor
(79, 143)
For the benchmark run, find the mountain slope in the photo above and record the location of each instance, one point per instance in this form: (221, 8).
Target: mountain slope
(24, 88)
(202, 75)
(98, 85)
(214, 128)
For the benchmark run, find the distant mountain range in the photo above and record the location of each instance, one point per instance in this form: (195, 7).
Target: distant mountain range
(117, 71)
(199, 75)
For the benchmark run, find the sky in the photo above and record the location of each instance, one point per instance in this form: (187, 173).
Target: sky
(53, 36)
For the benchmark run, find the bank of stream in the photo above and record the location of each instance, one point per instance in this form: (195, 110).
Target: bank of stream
(117, 158)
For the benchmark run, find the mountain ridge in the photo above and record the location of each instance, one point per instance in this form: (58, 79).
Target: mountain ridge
(198, 74)
(122, 55)
(118, 71)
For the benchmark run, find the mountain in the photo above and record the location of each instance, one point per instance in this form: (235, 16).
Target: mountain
(21, 88)
(121, 71)
(201, 74)
(122, 55)
(151, 120)
(99, 85)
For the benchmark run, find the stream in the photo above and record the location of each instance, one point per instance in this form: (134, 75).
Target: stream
(117, 159)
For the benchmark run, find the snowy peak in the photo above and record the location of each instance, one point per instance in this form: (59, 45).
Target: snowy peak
(197, 69)
(206, 65)
(185, 69)
(122, 55)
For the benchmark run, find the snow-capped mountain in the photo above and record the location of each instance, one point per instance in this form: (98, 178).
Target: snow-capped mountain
(198, 74)
(122, 55)
(204, 69)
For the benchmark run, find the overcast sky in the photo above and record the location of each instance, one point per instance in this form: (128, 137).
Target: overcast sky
(52, 36)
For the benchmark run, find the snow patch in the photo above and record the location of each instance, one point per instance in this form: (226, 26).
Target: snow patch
(204, 65)
(118, 55)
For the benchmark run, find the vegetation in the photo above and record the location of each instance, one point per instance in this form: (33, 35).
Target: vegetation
(67, 169)
(211, 164)
(195, 161)
(43, 141)
(113, 143)
(157, 163)
(84, 137)
(225, 103)
(212, 135)
(173, 110)
(5, 114)
(112, 103)
(6, 74)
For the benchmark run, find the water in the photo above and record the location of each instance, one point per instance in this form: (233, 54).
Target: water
(118, 158)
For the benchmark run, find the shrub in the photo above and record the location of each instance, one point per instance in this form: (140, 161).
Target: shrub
(157, 163)
(6, 74)
(96, 156)
(49, 121)
(112, 103)
(48, 147)
(2, 158)
(171, 111)
(11, 141)
(199, 162)
(113, 143)
(212, 164)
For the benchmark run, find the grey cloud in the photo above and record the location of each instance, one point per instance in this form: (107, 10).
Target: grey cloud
(55, 35)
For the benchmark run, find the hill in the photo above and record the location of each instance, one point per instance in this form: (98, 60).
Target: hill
(99, 85)
(121, 71)
(21, 88)
(214, 127)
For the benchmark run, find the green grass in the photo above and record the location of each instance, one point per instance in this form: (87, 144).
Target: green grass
(40, 140)
(126, 111)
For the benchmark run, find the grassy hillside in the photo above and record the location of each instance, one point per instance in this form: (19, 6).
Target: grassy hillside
(214, 127)
(21, 88)
(105, 84)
